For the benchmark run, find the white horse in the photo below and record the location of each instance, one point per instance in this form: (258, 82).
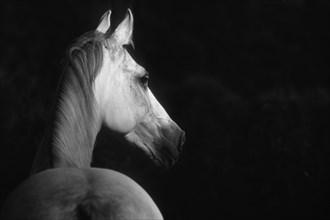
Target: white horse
(101, 84)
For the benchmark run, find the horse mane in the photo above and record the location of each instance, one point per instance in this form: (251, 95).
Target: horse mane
(75, 104)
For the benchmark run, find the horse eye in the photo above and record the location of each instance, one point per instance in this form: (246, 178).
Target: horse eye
(144, 80)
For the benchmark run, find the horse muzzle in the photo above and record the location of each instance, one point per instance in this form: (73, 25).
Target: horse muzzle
(169, 147)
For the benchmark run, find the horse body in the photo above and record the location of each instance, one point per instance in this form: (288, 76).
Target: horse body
(102, 84)
(73, 194)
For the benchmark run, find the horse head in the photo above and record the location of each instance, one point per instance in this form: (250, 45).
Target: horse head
(125, 102)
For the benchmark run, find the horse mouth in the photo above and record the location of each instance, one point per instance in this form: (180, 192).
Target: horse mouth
(166, 160)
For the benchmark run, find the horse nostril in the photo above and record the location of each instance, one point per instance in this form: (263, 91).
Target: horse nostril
(182, 140)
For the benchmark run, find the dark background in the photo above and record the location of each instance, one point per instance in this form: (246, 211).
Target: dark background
(247, 81)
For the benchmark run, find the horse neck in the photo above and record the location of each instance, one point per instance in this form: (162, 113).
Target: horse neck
(70, 139)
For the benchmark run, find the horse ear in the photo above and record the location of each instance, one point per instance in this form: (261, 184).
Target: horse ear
(124, 32)
(105, 22)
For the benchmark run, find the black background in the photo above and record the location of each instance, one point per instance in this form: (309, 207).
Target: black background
(247, 81)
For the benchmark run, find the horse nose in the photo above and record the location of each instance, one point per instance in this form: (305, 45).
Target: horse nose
(182, 140)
